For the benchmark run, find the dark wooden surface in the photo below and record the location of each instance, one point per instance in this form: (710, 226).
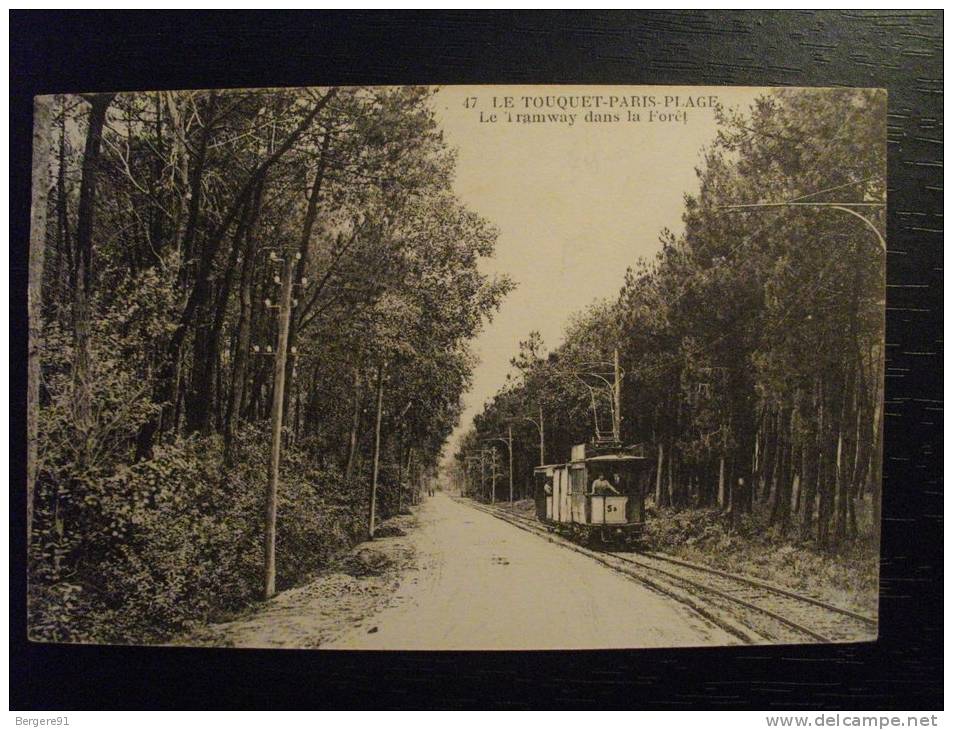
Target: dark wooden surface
(897, 50)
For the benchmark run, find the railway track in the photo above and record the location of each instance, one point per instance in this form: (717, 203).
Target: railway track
(753, 610)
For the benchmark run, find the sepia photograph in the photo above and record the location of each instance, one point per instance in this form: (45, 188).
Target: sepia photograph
(489, 367)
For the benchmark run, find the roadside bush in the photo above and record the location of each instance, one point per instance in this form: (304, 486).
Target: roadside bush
(169, 543)
(126, 551)
(318, 515)
(849, 578)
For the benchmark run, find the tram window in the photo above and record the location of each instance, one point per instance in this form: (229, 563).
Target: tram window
(578, 480)
(543, 483)
(628, 480)
(538, 481)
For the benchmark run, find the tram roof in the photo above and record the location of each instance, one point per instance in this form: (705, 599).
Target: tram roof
(612, 458)
(598, 459)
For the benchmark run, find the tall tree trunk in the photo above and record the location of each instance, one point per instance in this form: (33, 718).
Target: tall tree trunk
(756, 459)
(156, 228)
(168, 394)
(82, 258)
(843, 457)
(242, 346)
(672, 495)
(193, 195)
(849, 401)
(62, 214)
(840, 503)
(372, 514)
(40, 174)
(355, 427)
(179, 165)
(200, 290)
(828, 470)
(808, 486)
(782, 497)
(207, 348)
(721, 480)
(780, 470)
(99, 104)
(876, 458)
(304, 244)
(858, 461)
(762, 485)
(812, 464)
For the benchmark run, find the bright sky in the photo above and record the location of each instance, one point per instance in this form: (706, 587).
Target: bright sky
(575, 205)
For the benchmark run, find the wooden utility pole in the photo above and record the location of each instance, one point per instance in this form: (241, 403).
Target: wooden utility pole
(493, 476)
(277, 404)
(468, 481)
(377, 450)
(509, 444)
(542, 439)
(721, 468)
(482, 470)
(510, 438)
(542, 435)
(410, 475)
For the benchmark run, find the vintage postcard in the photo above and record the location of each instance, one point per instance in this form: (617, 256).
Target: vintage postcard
(461, 367)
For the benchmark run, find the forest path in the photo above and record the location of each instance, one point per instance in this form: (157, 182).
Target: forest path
(459, 578)
(481, 583)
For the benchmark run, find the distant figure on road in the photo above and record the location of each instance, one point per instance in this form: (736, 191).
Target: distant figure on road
(601, 486)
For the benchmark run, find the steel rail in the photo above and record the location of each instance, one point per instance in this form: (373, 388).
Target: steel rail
(729, 597)
(768, 588)
(754, 582)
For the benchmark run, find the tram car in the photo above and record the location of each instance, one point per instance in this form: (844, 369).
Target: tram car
(598, 497)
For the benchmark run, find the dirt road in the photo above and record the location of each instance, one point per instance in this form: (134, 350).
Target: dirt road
(481, 583)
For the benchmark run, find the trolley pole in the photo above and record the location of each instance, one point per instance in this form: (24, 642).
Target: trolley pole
(277, 404)
(617, 397)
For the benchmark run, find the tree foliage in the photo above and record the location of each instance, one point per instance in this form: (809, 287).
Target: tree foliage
(166, 212)
(753, 342)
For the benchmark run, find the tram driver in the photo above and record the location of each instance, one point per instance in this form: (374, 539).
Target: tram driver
(601, 486)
